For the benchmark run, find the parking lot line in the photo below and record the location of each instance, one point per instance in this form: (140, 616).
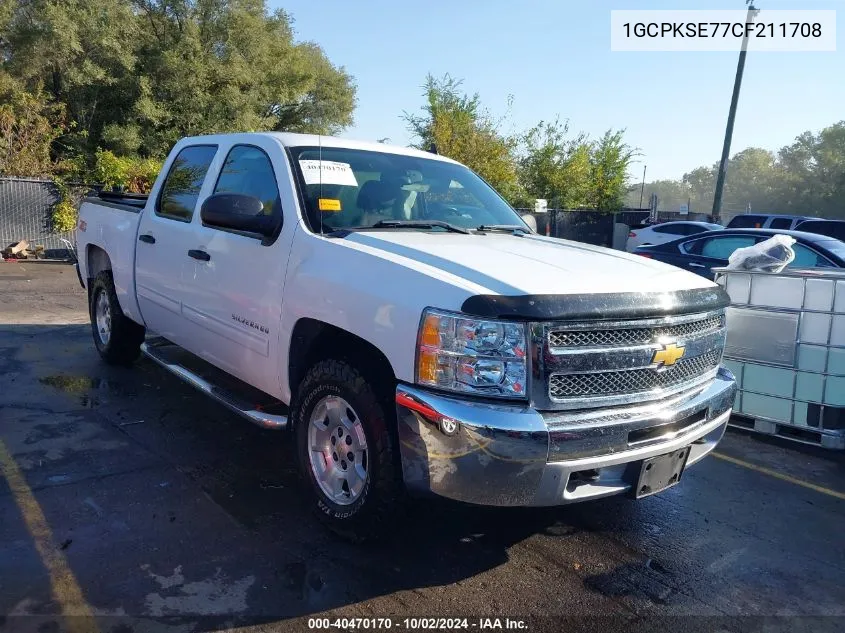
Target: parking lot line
(65, 588)
(781, 476)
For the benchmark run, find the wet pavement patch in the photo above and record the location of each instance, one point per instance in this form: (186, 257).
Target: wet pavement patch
(89, 392)
(73, 384)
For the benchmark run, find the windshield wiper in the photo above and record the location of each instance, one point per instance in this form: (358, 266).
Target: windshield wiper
(417, 224)
(506, 228)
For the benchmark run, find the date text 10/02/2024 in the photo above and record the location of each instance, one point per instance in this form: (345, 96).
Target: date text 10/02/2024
(417, 624)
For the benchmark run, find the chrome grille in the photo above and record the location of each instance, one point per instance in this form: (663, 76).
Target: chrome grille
(563, 386)
(559, 339)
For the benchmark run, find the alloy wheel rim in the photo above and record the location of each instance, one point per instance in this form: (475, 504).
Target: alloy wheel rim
(337, 450)
(102, 317)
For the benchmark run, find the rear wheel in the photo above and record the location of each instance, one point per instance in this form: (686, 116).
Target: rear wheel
(117, 338)
(346, 451)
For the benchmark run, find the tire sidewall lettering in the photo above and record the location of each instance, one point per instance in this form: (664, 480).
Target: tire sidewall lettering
(308, 403)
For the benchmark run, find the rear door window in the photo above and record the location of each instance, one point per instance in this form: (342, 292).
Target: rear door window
(670, 229)
(781, 223)
(808, 258)
(693, 229)
(719, 247)
(181, 188)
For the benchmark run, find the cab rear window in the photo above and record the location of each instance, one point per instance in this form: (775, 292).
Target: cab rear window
(181, 188)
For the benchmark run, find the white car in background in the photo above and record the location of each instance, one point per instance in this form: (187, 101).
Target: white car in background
(666, 232)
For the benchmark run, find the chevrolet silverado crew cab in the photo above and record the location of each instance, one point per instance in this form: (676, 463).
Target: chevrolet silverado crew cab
(416, 336)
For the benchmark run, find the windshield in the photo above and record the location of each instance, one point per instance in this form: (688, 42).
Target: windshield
(357, 189)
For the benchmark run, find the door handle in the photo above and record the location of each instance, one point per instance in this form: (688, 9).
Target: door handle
(148, 239)
(696, 265)
(200, 255)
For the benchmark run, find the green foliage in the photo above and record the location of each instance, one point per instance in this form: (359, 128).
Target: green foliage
(805, 178)
(28, 126)
(132, 173)
(541, 163)
(555, 167)
(65, 213)
(136, 75)
(609, 161)
(460, 128)
(110, 170)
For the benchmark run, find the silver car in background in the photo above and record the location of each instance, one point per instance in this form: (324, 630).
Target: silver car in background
(666, 232)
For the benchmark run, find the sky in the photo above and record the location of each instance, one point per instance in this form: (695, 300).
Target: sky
(553, 57)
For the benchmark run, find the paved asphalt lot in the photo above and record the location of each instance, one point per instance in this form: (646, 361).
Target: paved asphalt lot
(130, 497)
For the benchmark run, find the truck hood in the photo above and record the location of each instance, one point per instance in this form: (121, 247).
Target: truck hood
(501, 263)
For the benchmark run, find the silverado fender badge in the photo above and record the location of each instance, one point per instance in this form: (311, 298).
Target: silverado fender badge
(668, 356)
(252, 324)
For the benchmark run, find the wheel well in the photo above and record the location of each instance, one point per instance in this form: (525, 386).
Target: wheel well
(314, 340)
(97, 261)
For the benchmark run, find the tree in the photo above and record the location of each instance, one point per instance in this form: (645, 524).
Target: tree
(28, 126)
(805, 178)
(457, 125)
(554, 167)
(79, 52)
(135, 75)
(609, 163)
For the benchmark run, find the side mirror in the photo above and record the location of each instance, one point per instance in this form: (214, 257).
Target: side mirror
(531, 221)
(238, 212)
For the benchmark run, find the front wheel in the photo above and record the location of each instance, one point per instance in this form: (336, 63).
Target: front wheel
(346, 451)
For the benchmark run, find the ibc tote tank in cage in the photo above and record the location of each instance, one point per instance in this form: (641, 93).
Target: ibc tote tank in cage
(786, 346)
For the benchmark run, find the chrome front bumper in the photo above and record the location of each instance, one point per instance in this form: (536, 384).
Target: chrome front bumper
(507, 455)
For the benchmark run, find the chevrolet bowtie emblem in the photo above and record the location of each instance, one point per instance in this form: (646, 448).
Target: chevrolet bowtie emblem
(669, 355)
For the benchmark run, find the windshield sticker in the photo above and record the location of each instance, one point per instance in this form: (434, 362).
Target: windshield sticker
(329, 204)
(332, 173)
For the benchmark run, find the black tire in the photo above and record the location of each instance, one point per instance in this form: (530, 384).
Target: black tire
(378, 505)
(123, 345)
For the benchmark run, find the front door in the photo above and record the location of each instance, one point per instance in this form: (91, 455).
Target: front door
(234, 297)
(163, 239)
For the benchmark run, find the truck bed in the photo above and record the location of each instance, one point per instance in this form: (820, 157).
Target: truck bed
(108, 226)
(125, 201)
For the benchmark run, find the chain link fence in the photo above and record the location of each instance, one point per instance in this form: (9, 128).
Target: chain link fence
(26, 207)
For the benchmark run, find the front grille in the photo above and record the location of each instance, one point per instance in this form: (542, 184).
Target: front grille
(559, 339)
(633, 381)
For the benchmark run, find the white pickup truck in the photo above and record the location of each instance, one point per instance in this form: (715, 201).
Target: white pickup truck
(389, 308)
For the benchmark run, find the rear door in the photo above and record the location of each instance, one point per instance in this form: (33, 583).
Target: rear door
(163, 238)
(233, 299)
(702, 254)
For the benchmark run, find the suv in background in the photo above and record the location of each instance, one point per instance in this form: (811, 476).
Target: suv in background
(831, 228)
(761, 221)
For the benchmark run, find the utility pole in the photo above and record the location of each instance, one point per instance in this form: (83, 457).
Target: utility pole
(642, 188)
(726, 150)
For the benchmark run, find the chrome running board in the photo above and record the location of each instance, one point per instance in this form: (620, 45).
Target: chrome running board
(156, 350)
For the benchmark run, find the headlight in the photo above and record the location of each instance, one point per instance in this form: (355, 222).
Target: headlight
(464, 354)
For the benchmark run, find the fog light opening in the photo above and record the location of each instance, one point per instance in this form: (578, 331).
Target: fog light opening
(582, 477)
